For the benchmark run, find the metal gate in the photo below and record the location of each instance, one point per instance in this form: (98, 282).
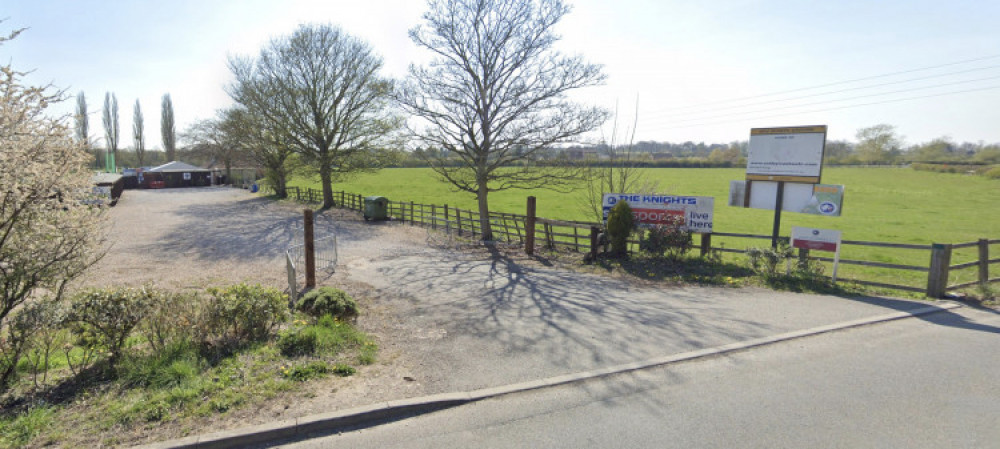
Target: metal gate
(325, 257)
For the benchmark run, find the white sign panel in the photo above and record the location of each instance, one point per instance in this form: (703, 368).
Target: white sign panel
(818, 239)
(696, 212)
(816, 199)
(786, 154)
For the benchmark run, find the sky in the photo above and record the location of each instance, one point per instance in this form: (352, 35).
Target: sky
(677, 70)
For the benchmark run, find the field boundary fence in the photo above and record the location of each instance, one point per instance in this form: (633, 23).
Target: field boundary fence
(578, 236)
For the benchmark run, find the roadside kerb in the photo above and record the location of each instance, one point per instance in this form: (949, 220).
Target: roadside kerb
(403, 408)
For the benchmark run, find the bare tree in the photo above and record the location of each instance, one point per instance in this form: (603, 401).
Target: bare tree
(264, 146)
(82, 129)
(111, 130)
(137, 133)
(619, 173)
(167, 132)
(494, 96)
(210, 138)
(320, 90)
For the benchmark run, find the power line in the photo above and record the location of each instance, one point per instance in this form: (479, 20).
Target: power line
(829, 109)
(902, 72)
(851, 89)
(898, 91)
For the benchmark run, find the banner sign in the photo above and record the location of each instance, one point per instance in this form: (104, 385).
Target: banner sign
(816, 199)
(695, 212)
(786, 154)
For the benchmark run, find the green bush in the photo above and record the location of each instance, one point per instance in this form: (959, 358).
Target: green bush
(993, 173)
(103, 319)
(244, 312)
(298, 342)
(328, 301)
(669, 238)
(621, 222)
(173, 318)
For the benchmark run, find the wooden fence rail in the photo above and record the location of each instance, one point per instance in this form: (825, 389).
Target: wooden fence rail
(576, 236)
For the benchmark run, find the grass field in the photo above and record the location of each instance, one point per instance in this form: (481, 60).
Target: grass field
(897, 205)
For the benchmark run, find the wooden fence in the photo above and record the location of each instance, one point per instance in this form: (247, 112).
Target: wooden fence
(579, 237)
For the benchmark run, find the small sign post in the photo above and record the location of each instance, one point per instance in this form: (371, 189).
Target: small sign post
(820, 240)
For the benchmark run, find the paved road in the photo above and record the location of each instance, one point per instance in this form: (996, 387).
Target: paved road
(932, 382)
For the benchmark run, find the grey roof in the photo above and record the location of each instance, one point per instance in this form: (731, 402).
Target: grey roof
(105, 178)
(176, 167)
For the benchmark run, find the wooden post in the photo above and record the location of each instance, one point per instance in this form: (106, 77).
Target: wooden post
(595, 241)
(458, 220)
(779, 201)
(706, 243)
(549, 242)
(310, 249)
(937, 278)
(984, 262)
(412, 216)
(529, 228)
(434, 217)
(447, 220)
(576, 240)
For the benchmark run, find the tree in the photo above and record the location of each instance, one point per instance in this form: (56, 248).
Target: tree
(265, 147)
(82, 122)
(320, 90)
(210, 138)
(137, 133)
(111, 129)
(878, 144)
(48, 236)
(167, 127)
(941, 149)
(494, 96)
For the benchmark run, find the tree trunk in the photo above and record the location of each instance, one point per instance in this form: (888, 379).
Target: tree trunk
(326, 179)
(280, 187)
(484, 213)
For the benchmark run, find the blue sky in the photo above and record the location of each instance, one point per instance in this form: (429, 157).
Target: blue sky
(702, 71)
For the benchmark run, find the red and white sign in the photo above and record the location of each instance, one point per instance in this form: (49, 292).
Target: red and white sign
(818, 239)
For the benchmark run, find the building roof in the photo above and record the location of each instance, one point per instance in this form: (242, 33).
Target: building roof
(105, 178)
(176, 167)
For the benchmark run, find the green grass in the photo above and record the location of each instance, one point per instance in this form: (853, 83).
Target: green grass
(897, 205)
(183, 383)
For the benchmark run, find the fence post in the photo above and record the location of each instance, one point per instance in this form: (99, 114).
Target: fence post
(412, 221)
(984, 262)
(937, 278)
(529, 228)
(309, 247)
(458, 220)
(447, 220)
(595, 241)
(706, 243)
